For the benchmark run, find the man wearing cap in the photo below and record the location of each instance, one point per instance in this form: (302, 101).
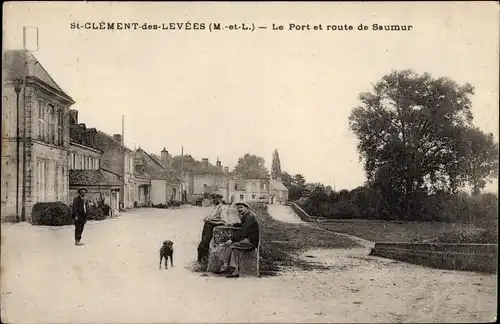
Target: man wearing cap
(246, 239)
(79, 214)
(211, 221)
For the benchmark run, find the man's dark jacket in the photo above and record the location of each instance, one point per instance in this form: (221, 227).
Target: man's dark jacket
(78, 210)
(249, 229)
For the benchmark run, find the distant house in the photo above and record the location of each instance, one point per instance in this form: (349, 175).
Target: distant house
(44, 177)
(85, 167)
(278, 193)
(118, 160)
(159, 184)
(250, 190)
(203, 178)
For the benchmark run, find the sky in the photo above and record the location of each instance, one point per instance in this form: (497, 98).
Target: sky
(223, 94)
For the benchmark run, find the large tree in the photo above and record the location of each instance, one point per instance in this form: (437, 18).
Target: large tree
(251, 166)
(415, 134)
(286, 179)
(276, 165)
(482, 165)
(187, 161)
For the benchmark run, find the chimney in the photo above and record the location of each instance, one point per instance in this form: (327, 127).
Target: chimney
(164, 158)
(205, 162)
(73, 117)
(219, 164)
(117, 137)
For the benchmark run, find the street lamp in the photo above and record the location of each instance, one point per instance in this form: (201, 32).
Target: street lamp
(17, 88)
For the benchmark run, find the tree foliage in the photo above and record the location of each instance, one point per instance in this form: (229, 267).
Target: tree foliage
(251, 166)
(187, 160)
(415, 135)
(276, 165)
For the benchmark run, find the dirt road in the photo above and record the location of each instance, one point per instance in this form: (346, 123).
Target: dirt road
(115, 278)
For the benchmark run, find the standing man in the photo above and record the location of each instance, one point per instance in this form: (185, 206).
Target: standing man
(79, 214)
(211, 221)
(246, 239)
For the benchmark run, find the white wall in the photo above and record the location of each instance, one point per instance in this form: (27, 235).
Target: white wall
(158, 191)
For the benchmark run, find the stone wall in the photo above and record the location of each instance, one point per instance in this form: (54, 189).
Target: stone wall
(303, 215)
(464, 257)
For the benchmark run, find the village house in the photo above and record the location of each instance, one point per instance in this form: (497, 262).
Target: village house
(250, 190)
(118, 159)
(35, 136)
(85, 168)
(203, 178)
(278, 192)
(160, 185)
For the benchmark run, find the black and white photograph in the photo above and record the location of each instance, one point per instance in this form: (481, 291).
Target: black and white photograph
(249, 162)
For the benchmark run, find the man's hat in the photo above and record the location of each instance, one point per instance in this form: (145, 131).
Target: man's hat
(82, 189)
(242, 203)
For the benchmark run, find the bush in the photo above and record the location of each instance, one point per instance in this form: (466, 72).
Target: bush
(95, 213)
(51, 214)
(160, 205)
(175, 203)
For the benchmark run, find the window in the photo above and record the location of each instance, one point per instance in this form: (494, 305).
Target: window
(72, 160)
(241, 197)
(60, 126)
(253, 196)
(98, 164)
(41, 177)
(56, 182)
(51, 120)
(42, 122)
(63, 182)
(83, 162)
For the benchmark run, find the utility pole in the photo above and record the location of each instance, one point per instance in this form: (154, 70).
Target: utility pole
(25, 75)
(182, 173)
(17, 88)
(122, 196)
(24, 87)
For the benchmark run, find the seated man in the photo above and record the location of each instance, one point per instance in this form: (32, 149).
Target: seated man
(246, 239)
(211, 221)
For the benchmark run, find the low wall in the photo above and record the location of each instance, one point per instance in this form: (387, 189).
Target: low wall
(303, 215)
(463, 257)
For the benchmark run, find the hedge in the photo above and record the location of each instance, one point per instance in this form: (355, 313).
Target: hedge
(59, 214)
(51, 214)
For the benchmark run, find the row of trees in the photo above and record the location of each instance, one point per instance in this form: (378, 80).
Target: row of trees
(367, 203)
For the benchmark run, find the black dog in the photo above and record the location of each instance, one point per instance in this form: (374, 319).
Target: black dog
(167, 250)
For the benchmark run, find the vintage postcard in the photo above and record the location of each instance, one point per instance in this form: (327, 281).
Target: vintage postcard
(236, 162)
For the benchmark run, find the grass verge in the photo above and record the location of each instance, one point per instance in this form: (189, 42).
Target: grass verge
(282, 242)
(391, 231)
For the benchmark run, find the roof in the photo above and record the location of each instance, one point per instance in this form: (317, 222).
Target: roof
(155, 157)
(276, 185)
(13, 68)
(201, 168)
(100, 177)
(113, 140)
(159, 171)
